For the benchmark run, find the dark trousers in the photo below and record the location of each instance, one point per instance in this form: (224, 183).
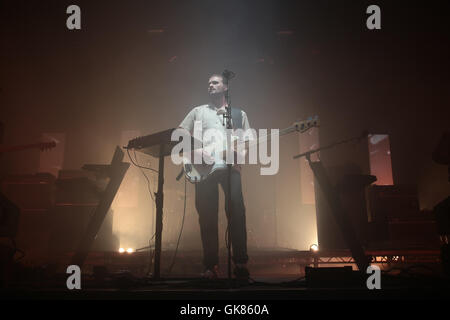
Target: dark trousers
(207, 204)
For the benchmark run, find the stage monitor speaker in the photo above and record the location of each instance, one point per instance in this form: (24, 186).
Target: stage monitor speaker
(340, 277)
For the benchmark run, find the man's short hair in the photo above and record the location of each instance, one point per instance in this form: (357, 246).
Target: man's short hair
(224, 80)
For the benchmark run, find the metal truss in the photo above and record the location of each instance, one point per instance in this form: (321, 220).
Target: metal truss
(388, 259)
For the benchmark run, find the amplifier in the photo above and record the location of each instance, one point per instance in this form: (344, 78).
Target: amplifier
(33, 235)
(417, 231)
(392, 202)
(31, 191)
(76, 187)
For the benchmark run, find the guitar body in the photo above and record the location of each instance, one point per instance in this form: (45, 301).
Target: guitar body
(200, 172)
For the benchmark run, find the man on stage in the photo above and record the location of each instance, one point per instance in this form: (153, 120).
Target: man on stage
(211, 116)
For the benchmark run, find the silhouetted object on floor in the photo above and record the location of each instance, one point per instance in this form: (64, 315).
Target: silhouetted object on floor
(335, 277)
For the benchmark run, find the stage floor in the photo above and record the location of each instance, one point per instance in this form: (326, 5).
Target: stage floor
(263, 262)
(276, 274)
(260, 290)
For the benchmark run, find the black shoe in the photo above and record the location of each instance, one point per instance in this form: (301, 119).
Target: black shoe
(241, 273)
(211, 274)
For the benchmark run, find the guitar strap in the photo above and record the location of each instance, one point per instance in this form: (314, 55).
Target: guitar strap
(236, 115)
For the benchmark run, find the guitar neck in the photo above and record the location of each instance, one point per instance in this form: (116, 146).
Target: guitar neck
(299, 126)
(282, 132)
(20, 147)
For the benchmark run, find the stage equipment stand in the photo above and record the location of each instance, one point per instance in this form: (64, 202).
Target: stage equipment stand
(330, 193)
(228, 75)
(158, 145)
(115, 171)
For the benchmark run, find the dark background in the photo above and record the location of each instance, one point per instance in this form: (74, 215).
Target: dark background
(142, 65)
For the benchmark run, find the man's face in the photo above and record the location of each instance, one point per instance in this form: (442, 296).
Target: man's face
(216, 86)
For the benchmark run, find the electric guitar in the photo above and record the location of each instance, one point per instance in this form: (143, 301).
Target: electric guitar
(199, 172)
(42, 146)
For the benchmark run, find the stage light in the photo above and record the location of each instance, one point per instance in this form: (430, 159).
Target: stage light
(121, 250)
(314, 248)
(130, 250)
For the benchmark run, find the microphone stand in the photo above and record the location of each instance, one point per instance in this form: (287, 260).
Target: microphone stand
(307, 154)
(227, 116)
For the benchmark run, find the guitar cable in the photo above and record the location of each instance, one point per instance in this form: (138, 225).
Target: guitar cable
(151, 194)
(146, 178)
(137, 165)
(143, 173)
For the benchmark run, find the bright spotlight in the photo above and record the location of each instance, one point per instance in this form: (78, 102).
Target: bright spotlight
(314, 248)
(130, 250)
(121, 250)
